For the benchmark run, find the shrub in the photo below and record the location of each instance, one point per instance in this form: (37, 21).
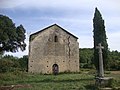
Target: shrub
(10, 64)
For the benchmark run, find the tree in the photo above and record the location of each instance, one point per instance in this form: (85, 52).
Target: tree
(11, 37)
(9, 64)
(99, 37)
(114, 60)
(86, 55)
(24, 62)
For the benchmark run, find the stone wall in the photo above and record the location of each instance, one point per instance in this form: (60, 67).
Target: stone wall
(53, 46)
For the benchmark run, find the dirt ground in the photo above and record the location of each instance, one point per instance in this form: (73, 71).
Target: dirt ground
(115, 72)
(13, 87)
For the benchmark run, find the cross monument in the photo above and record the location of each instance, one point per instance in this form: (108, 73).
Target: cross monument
(101, 69)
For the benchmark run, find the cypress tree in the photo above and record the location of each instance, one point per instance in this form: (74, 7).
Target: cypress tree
(99, 37)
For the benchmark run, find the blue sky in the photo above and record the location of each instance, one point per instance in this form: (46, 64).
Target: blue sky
(73, 15)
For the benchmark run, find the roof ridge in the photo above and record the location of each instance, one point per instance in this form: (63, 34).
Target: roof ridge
(52, 26)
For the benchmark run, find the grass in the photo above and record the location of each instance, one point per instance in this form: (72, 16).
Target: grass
(80, 81)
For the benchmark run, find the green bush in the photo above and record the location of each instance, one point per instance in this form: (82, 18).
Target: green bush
(23, 62)
(10, 64)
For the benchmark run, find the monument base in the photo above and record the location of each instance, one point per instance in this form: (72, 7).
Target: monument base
(103, 81)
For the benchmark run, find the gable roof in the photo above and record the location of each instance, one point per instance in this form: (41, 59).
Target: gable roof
(50, 27)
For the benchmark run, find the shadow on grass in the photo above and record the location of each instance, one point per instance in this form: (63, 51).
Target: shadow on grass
(91, 87)
(47, 80)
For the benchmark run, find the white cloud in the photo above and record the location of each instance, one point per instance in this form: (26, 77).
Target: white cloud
(65, 4)
(85, 41)
(11, 3)
(113, 20)
(113, 40)
(45, 3)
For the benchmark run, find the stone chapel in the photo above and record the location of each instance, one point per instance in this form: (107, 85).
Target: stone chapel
(53, 49)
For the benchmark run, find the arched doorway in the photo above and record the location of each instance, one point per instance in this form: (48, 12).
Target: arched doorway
(55, 69)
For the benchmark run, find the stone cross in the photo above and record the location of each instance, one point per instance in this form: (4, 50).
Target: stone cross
(101, 69)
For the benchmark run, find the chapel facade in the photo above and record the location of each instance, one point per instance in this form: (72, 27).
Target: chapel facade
(53, 49)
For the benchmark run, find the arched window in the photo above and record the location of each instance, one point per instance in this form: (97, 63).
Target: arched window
(55, 39)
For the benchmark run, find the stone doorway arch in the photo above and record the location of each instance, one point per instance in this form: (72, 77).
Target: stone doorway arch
(55, 69)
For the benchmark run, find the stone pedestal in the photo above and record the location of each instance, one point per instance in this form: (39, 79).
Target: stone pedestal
(103, 81)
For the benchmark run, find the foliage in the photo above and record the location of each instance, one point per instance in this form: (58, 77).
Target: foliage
(11, 37)
(86, 59)
(86, 55)
(1, 54)
(10, 64)
(99, 37)
(114, 60)
(24, 62)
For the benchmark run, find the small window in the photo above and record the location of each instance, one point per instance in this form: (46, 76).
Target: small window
(55, 39)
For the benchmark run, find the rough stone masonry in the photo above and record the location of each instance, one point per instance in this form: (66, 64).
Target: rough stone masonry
(53, 49)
